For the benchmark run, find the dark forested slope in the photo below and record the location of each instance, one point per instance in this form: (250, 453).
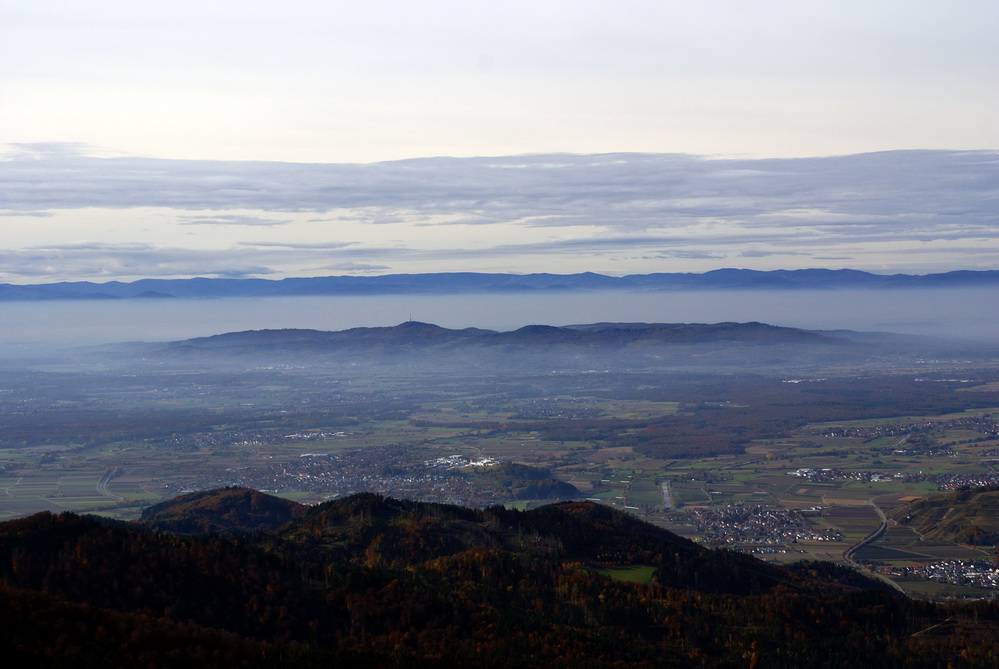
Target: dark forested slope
(373, 581)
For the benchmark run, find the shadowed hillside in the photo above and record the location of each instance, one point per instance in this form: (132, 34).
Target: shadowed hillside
(373, 581)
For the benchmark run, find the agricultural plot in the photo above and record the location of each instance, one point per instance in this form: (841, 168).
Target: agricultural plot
(52, 492)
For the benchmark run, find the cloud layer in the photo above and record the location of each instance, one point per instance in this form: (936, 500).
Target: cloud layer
(69, 215)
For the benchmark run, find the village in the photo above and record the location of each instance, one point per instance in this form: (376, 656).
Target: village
(958, 572)
(756, 527)
(943, 481)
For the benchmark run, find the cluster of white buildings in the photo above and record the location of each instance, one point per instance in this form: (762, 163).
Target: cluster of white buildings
(960, 572)
(452, 462)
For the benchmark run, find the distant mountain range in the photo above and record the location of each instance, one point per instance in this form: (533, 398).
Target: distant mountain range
(473, 282)
(414, 336)
(610, 346)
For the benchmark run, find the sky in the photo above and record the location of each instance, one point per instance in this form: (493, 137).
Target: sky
(301, 138)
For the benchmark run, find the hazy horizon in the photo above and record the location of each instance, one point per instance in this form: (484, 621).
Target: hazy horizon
(267, 140)
(40, 327)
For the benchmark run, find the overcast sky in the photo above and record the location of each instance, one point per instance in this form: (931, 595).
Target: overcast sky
(305, 138)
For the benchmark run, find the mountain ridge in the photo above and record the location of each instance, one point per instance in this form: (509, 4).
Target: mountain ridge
(415, 333)
(454, 283)
(607, 345)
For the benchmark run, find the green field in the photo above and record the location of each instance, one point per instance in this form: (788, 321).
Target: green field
(629, 573)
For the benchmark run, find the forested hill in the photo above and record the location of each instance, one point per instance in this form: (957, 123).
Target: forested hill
(223, 511)
(618, 346)
(414, 335)
(474, 282)
(372, 581)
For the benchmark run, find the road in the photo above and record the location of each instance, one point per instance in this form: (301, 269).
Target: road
(868, 540)
(102, 485)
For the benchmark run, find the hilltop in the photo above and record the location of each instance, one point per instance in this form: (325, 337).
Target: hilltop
(222, 511)
(372, 529)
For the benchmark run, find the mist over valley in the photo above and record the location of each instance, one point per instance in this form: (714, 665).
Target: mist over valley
(30, 328)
